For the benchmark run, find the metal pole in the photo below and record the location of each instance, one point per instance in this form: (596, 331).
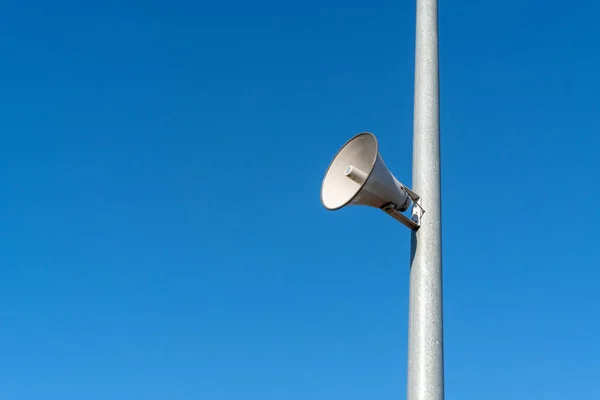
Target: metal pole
(425, 337)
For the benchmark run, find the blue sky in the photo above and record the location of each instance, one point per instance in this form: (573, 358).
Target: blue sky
(162, 235)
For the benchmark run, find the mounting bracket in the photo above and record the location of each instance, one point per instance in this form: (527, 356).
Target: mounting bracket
(413, 223)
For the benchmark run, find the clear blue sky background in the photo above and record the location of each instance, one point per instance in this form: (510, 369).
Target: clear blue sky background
(162, 234)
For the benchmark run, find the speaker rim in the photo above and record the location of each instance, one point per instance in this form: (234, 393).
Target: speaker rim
(368, 176)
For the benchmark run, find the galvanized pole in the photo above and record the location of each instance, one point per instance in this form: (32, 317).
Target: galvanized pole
(425, 337)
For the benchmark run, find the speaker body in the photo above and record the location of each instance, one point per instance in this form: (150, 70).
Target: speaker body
(358, 176)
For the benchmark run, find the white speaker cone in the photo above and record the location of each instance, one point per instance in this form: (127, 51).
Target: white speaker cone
(358, 176)
(359, 152)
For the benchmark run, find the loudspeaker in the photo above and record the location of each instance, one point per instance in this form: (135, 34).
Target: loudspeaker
(358, 176)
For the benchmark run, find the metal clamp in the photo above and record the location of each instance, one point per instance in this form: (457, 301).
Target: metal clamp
(413, 223)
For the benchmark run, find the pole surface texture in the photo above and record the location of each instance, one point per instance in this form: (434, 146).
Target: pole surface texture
(425, 337)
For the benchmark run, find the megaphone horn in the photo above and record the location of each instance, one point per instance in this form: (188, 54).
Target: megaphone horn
(358, 176)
